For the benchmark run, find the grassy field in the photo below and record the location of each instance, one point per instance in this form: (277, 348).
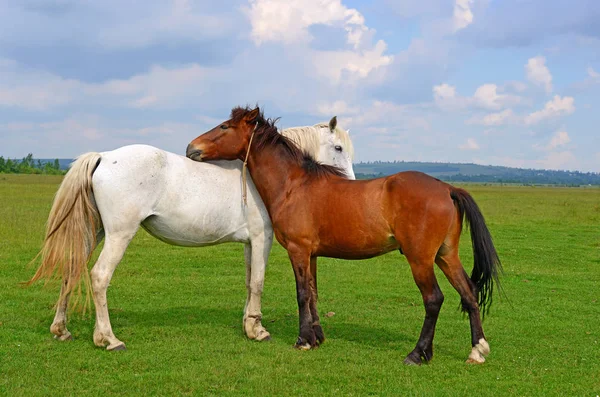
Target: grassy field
(180, 312)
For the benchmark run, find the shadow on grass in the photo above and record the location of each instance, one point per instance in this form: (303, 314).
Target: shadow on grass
(283, 328)
(369, 335)
(139, 327)
(178, 316)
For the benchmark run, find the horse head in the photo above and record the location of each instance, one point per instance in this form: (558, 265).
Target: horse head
(230, 139)
(336, 146)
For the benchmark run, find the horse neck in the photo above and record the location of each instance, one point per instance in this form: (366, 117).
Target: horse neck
(307, 138)
(271, 171)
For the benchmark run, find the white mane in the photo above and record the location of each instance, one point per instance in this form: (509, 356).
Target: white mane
(308, 138)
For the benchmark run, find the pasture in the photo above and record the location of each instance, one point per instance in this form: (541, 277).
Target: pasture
(179, 310)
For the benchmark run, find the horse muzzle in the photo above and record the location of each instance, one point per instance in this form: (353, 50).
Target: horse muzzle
(193, 153)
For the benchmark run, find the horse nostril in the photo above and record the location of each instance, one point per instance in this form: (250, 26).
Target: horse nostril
(193, 153)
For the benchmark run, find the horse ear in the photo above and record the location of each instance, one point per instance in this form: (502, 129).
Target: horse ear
(333, 123)
(252, 115)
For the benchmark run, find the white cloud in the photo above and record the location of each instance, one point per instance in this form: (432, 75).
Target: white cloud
(444, 92)
(506, 116)
(486, 96)
(593, 77)
(470, 144)
(463, 16)
(288, 21)
(144, 102)
(559, 139)
(88, 132)
(538, 73)
(383, 118)
(554, 108)
(444, 96)
(32, 89)
(160, 87)
(336, 108)
(332, 64)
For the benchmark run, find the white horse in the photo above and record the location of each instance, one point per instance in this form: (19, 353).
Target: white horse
(109, 195)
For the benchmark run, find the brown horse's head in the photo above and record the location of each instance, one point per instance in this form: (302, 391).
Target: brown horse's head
(227, 141)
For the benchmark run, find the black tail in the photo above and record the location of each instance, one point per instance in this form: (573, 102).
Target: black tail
(486, 266)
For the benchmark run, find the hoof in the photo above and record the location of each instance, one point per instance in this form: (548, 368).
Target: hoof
(478, 353)
(475, 361)
(263, 336)
(64, 337)
(119, 347)
(305, 346)
(410, 361)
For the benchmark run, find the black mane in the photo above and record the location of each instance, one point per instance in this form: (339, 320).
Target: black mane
(266, 134)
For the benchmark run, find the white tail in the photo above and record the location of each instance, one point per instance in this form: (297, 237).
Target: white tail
(71, 229)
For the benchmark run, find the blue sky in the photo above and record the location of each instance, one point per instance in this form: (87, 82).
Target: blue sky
(501, 82)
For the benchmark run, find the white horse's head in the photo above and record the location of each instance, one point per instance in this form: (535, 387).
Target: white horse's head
(327, 143)
(336, 146)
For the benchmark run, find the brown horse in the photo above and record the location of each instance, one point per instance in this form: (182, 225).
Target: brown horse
(317, 212)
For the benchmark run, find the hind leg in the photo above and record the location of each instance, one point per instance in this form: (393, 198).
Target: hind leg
(433, 299)
(455, 273)
(59, 325)
(313, 302)
(256, 255)
(101, 274)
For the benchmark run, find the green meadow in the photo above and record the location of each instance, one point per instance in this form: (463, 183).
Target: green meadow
(179, 311)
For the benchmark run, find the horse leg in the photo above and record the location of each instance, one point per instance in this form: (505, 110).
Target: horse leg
(313, 302)
(256, 257)
(300, 259)
(59, 325)
(432, 299)
(455, 273)
(101, 274)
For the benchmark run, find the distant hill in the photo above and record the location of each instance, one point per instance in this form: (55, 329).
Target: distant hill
(468, 172)
(462, 172)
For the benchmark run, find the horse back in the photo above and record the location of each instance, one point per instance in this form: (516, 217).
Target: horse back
(175, 199)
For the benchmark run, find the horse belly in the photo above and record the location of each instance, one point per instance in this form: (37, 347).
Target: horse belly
(201, 205)
(357, 246)
(195, 232)
(365, 252)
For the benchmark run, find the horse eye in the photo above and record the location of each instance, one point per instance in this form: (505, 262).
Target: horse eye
(338, 148)
(223, 127)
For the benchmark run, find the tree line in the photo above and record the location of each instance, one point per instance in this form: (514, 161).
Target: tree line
(468, 172)
(561, 178)
(28, 165)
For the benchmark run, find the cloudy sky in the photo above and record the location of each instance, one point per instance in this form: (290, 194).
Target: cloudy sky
(501, 82)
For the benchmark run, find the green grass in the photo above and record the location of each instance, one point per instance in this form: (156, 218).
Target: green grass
(180, 312)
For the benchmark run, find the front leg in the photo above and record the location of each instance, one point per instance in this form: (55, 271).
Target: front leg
(300, 258)
(256, 254)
